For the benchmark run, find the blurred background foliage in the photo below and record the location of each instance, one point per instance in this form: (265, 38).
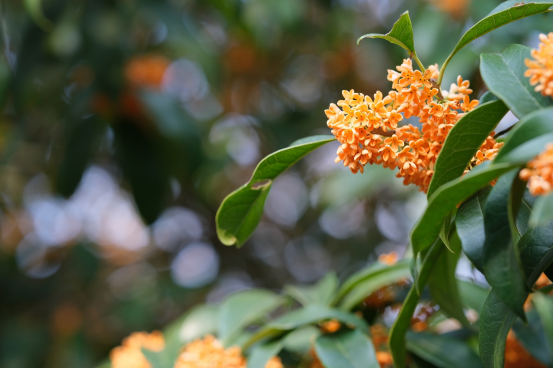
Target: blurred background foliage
(126, 122)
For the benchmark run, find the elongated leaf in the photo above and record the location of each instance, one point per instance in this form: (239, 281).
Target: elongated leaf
(543, 211)
(443, 284)
(515, 203)
(496, 317)
(308, 315)
(321, 293)
(536, 251)
(473, 295)
(243, 308)
(544, 306)
(262, 353)
(396, 339)
(507, 12)
(470, 227)
(241, 211)
(487, 97)
(349, 349)
(401, 34)
(504, 75)
(496, 320)
(464, 140)
(532, 337)
(444, 230)
(444, 352)
(197, 323)
(387, 277)
(447, 197)
(301, 340)
(368, 273)
(502, 266)
(160, 359)
(532, 126)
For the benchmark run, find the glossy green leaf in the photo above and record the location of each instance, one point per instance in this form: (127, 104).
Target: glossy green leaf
(446, 198)
(198, 322)
(443, 284)
(515, 203)
(240, 212)
(464, 140)
(544, 306)
(243, 308)
(504, 75)
(533, 339)
(396, 338)
(346, 349)
(496, 320)
(502, 266)
(507, 12)
(160, 359)
(533, 126)
(536, 251)
(470, 227)
(525, 212)
(366, 274)
(301, 340)
(311, 314)
(444, 230)
(322, 293)
(543, 211)
(487, 97)
(262, 353)
(442, 351)
(401, 34)
(473, 295)
(391, 274)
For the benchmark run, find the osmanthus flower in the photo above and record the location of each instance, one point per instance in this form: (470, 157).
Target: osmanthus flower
(540, 67)
(129, 354)
(539, 173)
(368, 127)
(210, 353)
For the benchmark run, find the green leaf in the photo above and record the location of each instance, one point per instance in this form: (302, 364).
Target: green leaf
(533, 126)
(443, 284)
(196, 323)
(444, 230)
(487, 97)
(502, 266)
(532, 337)
(242, 309)
(401, 34)
(262, 353)
(159, 359)
(496, 320)
(385, 277)
(496, 317)
(396, 338)
(470, 227)
(444, 352)
(536, 251)
(507, 12)
(321, 293)
(464, 140)
(301, 340)
(544, 306)
(543, 211)
(346, 349)
(240, 212)
(515, 203)
(473, 295)
(366, 274)
(504, 75)
(446, 198)
(308, 315)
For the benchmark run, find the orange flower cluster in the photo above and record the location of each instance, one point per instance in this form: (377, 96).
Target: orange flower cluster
(210, 353)
(368, 127)
(129, 354)
(540, 68)
(539, 173)
(201, 353)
